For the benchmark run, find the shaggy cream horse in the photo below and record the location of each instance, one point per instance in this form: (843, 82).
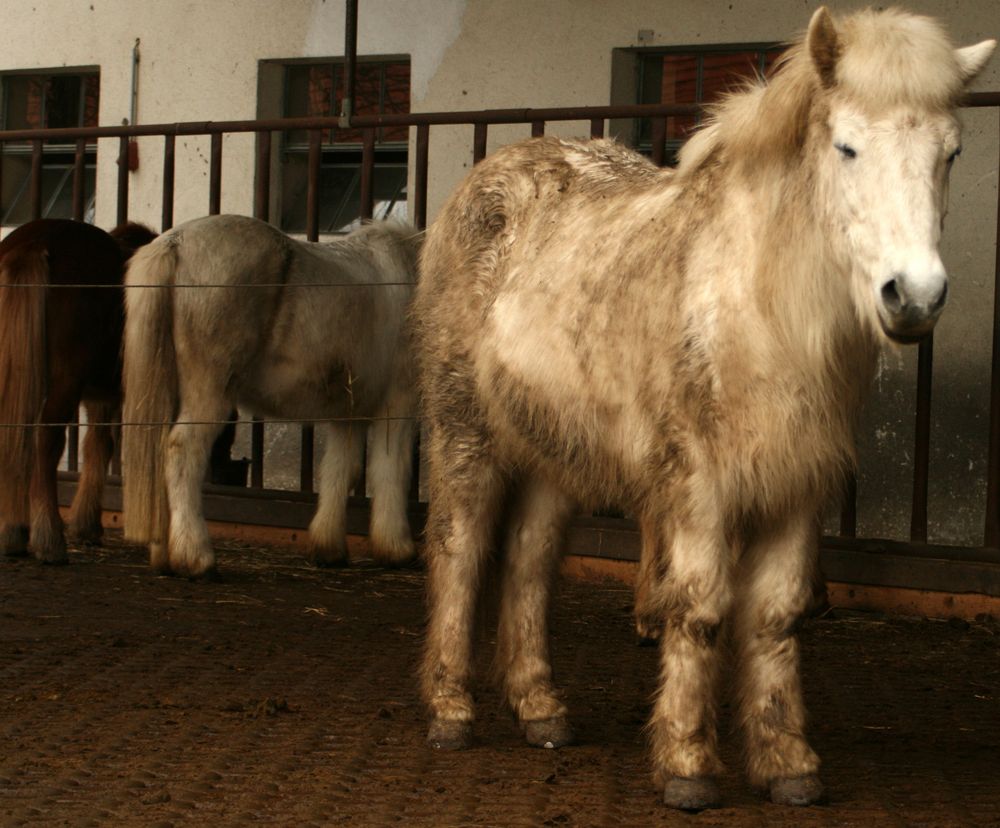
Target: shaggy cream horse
(227, 310)
(694, 346)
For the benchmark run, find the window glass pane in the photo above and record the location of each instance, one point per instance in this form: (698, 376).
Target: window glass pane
(679, 84)
(722, 73)
(62, 101)
(397, 98)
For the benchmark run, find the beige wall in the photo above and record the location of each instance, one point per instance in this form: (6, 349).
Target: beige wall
(200, 61)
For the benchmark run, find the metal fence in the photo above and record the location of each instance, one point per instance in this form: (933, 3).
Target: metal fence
(908, 562)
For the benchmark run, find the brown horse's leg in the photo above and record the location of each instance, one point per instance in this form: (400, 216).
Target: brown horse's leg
(465, 495)
(697, 594)
(85, 514)
(534, 542)
(14, 517)
(48, 542)
(775, 589)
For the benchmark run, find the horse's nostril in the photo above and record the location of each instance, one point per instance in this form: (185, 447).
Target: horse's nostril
(939, 303)
(890, 297)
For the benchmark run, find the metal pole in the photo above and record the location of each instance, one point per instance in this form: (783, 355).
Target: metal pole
(350, 61)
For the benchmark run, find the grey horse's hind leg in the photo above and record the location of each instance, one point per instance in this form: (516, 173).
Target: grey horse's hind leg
(339, 469)
(390, 464)
(465, 495)
(534, 543)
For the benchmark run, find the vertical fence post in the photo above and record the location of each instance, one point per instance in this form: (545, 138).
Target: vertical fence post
(367, 173)
(307, 449)
(420, 177)
(922, 439)
(261, 210)
(79, 168)
(537, 129)
(169, 153)
(992, 533)
(36, 178)
(597, 128)
(658, 137)
(215, 176)
(122, 207)
(479, 142)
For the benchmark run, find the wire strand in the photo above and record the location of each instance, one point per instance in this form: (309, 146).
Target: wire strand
(275, 421)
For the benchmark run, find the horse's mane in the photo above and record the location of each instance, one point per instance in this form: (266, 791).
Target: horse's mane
(884, 59)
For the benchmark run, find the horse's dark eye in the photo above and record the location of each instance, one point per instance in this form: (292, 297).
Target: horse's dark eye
(954, 155)
(847, 151)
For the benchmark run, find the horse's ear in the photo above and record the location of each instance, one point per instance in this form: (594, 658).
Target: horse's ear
(824, 45)
(972, 59)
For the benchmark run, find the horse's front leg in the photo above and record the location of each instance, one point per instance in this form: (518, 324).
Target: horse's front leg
(339, 468)
(85, 514)
(776, 585)
(534, 542)
(48, 541)
(465, 493)
(696, 594)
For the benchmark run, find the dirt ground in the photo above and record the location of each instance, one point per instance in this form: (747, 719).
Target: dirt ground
(285, 695)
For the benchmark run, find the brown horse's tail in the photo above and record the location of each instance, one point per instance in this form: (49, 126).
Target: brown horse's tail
(151, 394)
(22, 371)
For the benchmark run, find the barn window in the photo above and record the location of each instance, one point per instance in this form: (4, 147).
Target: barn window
(311, 89)
(41, 100)
(694, 76)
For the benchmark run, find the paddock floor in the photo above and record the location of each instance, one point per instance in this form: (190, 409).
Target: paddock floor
(286, 695)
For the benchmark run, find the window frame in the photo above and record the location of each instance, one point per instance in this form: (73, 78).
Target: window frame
(59, 157)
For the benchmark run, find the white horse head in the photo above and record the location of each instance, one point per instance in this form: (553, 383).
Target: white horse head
(887, 140)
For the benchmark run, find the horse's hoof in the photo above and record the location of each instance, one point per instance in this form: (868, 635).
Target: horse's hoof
(549, 733)
(797, 790)
(448, 734)
(54, 556)
(326, 557)
(691, 793)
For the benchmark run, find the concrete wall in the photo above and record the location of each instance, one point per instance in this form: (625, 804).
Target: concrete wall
(201, 61)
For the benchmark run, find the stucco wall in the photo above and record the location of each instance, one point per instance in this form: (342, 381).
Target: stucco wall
(201, 60)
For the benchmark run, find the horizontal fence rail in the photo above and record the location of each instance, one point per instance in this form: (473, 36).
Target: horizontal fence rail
(909, 563)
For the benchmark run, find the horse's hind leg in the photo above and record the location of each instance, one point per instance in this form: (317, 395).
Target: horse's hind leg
(48, 541)
(775, 589)
(85, 514)
(14, 511)
(534, 543)
(465, 492)
(339, 468)
(202, 413)
(648, 612)
(390, 462)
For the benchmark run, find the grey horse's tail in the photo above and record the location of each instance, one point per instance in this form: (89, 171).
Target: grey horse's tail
(151, 391)
(22, 371)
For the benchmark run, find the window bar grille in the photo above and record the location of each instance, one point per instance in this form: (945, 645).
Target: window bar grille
(537, 129)
(479, 143)
(169, 154)
(215, 175)
(122, 180)
(922, 439)
(367, 173)
(597, 128)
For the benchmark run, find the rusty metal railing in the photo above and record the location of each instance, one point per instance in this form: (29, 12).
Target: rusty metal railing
(610, 537)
